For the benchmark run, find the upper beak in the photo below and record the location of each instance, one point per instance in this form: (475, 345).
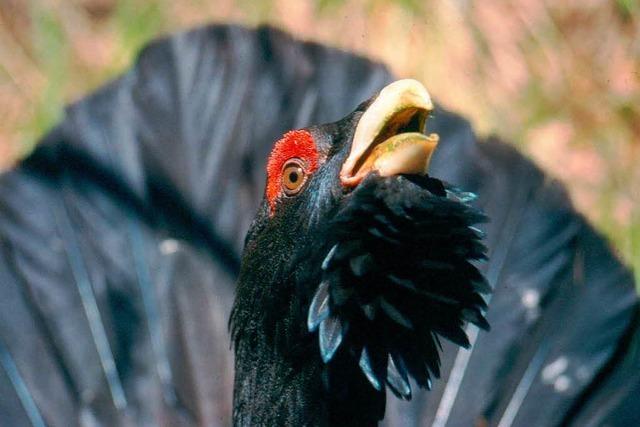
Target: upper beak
(389, 137)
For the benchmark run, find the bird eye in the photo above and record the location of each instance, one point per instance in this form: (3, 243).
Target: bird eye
(293, 177)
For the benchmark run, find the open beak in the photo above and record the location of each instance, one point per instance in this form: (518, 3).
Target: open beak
(390, 138)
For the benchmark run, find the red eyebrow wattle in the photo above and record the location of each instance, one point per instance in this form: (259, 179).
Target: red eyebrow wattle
(294, 144)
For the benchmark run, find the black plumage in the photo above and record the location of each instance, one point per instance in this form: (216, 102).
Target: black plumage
(158, 175)
(399, 276)
(381, 273)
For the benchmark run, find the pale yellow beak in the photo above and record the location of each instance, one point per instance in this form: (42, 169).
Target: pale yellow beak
(390, 138)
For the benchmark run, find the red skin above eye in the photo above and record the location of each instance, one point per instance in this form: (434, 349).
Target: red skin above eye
(294, 144)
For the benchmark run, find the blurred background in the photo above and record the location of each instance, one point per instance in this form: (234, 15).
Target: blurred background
(560, 80)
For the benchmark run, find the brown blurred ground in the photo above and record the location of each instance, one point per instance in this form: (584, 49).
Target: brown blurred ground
(560, 79)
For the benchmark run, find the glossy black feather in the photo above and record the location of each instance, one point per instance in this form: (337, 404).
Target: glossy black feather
(319, 309)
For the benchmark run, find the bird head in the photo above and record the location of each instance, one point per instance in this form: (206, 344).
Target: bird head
(357, 257)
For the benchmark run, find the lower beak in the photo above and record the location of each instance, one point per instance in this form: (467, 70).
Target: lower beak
(389, 138)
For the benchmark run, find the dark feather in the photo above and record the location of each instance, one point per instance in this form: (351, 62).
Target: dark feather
(397, 378)
(368, 368)
(319, 309)
(332, 331)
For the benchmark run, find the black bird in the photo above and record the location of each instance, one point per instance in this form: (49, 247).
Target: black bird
(354, 241)
(120, 241)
